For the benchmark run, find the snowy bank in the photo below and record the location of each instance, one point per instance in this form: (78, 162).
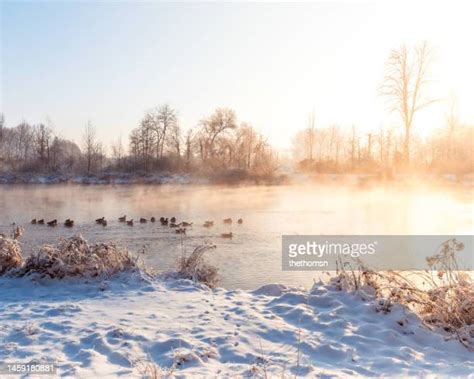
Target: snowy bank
(236, 177)
(133, 325)
(105, 178)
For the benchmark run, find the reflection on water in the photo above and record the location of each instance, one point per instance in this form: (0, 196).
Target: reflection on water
(253, 256)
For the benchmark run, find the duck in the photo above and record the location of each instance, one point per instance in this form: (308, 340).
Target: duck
(208, 224)
(41, 222)
(184, 223)
(143, 220)
(164, 221)
(101, 221)
(152, 219)
(226, 235)
(33, 221)
(173, 219)
(123, 218)
(53, 222)
(69, 223)
(181, 231)
(130, 222)
(240, 221)
(174, 225)
(227, 221)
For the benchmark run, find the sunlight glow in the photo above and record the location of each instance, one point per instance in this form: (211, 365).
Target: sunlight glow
(272, 63)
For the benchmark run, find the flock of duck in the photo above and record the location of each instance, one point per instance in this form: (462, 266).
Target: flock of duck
(180, 228)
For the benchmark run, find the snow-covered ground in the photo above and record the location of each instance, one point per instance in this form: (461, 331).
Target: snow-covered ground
(116, 328)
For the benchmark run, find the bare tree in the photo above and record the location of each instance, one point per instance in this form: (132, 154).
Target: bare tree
(245, 144)
(354, 138)
(213, 127)
(168, 120)
(369, 146)
(189, 139)
(265, 161)
(118, 152)
(24, 139)
(404, 86)
(43, 139)
(143, 141)
(135, 145)
(311, 135)
(151, 123)
(304, 143)
(452, 123)
(175, 139)
(146, 140)
(90, 145)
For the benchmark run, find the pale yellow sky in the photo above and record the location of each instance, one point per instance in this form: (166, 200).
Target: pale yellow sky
(346, 93)
(273, 63)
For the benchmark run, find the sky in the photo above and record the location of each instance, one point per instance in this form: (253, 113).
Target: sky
(273, 63)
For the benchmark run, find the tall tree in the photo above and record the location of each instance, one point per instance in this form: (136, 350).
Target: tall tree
(213, 127)
(168, 120)
(404, 86)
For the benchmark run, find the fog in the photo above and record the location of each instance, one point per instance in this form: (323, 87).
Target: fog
(253, 256)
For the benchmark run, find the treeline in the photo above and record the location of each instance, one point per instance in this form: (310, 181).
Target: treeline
(334, 149)
(35, 148)
(219, 145)
(405, 90)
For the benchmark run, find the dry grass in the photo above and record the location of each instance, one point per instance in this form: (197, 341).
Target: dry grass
(195, 268)
(10, 252)
(149, 370)
(75, 257)
(442, 295)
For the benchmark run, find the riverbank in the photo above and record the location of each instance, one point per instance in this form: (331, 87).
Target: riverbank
(232, 177)
(133, 326)
(106, 178)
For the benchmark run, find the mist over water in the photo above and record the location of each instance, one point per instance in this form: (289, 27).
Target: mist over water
(253, 256)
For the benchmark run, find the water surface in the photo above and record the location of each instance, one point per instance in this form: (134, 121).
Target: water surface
(253, 257)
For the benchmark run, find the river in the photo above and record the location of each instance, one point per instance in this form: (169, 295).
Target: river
(253, 256)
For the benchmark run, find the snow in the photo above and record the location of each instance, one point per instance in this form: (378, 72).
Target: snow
(105, 178)
(116, 327)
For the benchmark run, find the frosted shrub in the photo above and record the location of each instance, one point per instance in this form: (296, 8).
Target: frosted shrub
(195, 268)
(76, 257)
(442, 295)
(10, 254)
